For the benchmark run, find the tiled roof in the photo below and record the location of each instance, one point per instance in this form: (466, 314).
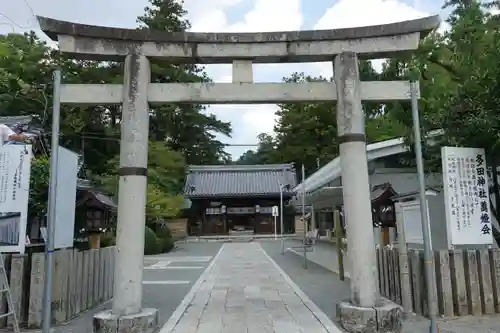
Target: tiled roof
(379, 190)
(239, 180)
(104, 199)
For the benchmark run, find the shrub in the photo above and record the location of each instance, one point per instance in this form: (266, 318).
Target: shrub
(107, 239)
(166, 244)
(163, 231)
(151, 242)
(165, 240)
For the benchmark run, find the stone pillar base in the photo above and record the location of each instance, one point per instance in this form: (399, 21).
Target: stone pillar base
(143, 322)
(385, 317)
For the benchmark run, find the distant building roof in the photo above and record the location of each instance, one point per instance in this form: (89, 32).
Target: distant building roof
(104, 199)
(96, 199)
(429, 191)
(209, 181)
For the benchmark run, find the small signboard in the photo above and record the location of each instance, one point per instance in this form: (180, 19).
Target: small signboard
(67, 174)
(275, 211)
(465, 183)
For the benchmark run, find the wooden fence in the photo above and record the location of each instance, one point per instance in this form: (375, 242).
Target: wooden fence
(81, 280)
(467, 281)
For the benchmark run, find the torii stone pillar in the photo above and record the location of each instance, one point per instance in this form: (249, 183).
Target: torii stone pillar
(365, 312)
(356, 191)
(132, 189)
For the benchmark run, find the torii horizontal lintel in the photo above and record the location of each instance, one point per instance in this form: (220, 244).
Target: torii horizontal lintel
(104, 43)
(233, 93)
(53, 28)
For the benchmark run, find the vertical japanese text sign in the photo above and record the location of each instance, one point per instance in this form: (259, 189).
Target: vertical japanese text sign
(15, 167)
(467, 203)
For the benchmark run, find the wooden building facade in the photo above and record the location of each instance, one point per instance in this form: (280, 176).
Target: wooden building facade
(237, 198)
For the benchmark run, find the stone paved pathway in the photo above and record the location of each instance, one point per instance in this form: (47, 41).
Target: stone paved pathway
(245, 291)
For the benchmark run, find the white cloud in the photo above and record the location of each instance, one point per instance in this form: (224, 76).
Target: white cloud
(263, 17)
(252, 120)
(359, 13)
(209, 15)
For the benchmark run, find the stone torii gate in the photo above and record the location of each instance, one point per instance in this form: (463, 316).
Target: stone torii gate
(342, 47)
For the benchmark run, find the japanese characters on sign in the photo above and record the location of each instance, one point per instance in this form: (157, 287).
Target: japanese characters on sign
(482, 197)
(465, 184)
(239, 210)
(213, 211)
(15, 163)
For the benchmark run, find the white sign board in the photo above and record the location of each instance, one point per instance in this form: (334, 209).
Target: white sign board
(412, 222)
(15, 165)
(275, 211)
(67, 170)
(467, 202)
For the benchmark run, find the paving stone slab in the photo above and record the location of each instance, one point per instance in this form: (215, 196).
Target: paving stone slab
(247, 292)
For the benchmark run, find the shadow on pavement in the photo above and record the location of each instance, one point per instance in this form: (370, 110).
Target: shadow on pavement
(321, 285)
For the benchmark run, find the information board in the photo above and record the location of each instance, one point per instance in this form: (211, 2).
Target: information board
(467, 202)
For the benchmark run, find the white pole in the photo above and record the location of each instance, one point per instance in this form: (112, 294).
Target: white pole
(49, 245)
(304, 213)
(281, 221)
(275, 230)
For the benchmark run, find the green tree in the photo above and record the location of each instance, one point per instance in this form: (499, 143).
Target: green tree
(27, 65)
(249, 157)
(436, 86)
(161, 205)
(185, 126)
(264, 154)
(39, 187)
(305, 132)
(166, 169)
(24, 75)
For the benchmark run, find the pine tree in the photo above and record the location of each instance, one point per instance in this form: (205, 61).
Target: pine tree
(185, 127)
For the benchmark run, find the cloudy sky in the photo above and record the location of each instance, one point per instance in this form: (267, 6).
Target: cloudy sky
(226, 16)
